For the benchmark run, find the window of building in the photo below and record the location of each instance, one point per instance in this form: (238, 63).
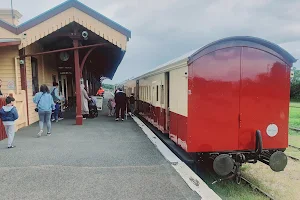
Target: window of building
(162, 94)
(35, 79)
(53, 78)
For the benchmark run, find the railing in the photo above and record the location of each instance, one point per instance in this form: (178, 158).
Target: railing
(2, 130)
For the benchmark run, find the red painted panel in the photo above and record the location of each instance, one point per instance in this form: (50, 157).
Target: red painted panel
(214, 81)
(173, 127)
(182, 131)
(2, 129)
(162, 119)
(264, 99)
(155, 115)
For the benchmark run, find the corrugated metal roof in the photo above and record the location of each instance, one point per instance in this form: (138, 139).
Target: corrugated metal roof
(59, 9)
(169, 63)
(244, 41)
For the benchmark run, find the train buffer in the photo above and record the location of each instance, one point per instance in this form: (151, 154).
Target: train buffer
(103, 159)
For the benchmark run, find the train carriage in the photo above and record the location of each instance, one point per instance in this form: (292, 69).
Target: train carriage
(228, 101)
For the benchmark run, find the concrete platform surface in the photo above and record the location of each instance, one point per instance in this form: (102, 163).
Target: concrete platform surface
(102, 159)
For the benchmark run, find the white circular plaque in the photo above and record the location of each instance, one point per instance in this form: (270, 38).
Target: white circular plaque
(272, 130)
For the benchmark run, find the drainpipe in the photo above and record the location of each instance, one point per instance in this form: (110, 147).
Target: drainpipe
(16, 74)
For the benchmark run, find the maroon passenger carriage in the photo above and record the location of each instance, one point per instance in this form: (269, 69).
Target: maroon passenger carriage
(227, 102)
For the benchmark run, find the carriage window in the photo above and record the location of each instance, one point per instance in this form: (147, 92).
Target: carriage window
(157, 93)
(162, 93)
(143, 93)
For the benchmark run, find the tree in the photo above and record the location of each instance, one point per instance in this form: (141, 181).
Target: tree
(295, 85)
(108, 86)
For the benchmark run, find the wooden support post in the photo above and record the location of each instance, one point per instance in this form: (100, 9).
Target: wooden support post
(24, 80)
(77, 84)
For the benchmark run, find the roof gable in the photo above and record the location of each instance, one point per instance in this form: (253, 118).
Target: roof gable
(61, 8)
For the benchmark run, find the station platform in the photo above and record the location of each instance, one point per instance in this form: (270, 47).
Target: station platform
(103, 159)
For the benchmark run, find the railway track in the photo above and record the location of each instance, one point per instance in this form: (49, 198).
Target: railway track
(294, 129)
(254, 187)
(294, 147)
(245, 181)
(291, 157)
(200, 170)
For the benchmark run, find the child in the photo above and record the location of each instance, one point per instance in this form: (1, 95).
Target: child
(110, 107)
(9, 115)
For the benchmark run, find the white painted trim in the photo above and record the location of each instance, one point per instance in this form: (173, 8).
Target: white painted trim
(192, 180)
(173, 66)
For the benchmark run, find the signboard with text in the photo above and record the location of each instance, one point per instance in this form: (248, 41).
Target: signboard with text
(65, 70)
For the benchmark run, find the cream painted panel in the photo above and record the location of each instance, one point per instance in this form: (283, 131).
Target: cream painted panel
(8, 19)
(150, 84)
(70, 15)
(7, 34)
(179, 91)
(7, 68)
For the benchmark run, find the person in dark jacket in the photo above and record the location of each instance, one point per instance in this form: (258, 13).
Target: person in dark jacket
(9, 115)
(120, 99)
(131, 103)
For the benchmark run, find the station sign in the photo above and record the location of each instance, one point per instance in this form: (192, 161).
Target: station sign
(65, 70)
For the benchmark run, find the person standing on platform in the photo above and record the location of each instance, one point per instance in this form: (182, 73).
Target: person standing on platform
(100, 92)
(56, 98)
(84, 102)
(8, 115)
(121, 102)
(131, 103)
(44, 106)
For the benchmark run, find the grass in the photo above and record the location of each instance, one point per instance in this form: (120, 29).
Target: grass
(278, 184)
(294, 115)
(285, 180)
(294, 138)
(229, 190)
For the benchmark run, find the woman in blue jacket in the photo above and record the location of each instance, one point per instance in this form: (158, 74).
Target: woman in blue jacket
(9, 115)
(45, 105)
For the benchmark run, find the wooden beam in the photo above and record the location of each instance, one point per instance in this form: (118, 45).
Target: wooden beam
(67, 49)
(6, 44)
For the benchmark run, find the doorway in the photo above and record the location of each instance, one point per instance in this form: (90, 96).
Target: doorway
(167, 101)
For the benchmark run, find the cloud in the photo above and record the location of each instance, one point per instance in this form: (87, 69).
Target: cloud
(165, 29)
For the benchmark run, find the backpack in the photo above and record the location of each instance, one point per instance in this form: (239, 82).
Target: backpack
(55, 99)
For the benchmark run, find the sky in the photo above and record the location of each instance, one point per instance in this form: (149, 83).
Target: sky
(165, 29)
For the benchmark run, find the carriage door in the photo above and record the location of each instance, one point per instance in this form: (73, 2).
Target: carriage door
(167, 101)
(264, 99)
(137, 96)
